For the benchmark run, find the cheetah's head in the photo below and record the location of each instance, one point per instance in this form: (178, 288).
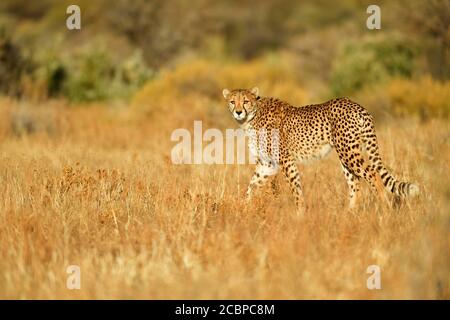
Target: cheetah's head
(241, 103)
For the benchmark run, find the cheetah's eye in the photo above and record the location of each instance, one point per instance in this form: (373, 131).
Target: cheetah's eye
(246, 101)
(232, 102)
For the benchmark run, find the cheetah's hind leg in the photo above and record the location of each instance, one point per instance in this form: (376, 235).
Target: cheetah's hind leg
(353, 183)
(292, 175)
(355, 163)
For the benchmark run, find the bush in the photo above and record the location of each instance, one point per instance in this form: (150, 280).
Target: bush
(204, 80)
(91, 75)
(425, 98)
(369, 62)
(13, 66)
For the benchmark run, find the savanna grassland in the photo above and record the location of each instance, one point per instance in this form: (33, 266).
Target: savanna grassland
(87, 178)
(94, 186)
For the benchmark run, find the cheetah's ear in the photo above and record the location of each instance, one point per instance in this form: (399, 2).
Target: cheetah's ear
(255, 91)
(225, 93)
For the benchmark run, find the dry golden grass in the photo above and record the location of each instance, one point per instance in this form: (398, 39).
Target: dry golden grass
(102, 193)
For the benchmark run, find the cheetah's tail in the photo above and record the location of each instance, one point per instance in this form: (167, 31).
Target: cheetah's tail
(399, 188)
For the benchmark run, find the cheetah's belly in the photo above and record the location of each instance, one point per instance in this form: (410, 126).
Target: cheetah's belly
(317, 154)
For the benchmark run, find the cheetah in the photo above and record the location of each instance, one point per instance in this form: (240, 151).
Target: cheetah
(308, 133)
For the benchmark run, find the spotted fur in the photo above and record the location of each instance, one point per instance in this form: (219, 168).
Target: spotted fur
(309, 133)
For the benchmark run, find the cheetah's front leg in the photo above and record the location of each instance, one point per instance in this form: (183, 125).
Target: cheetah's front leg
(262, 173)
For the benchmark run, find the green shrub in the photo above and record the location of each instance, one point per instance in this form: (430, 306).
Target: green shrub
(91, 75)
(13, 66)
(369, 62)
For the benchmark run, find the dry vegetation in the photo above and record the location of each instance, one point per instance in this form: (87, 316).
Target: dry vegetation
(99, 191)
(86, 179)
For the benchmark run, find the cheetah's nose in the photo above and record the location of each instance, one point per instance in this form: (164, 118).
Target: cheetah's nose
(238, 113)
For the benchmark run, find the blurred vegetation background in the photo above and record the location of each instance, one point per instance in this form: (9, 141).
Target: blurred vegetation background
(152, 53)
(86, 171)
